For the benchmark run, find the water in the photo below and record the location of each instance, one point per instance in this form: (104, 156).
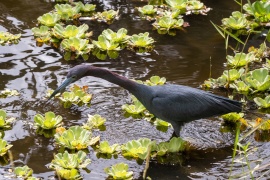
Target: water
(183, 59)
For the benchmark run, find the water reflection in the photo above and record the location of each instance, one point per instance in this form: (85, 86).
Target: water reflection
(183, 59)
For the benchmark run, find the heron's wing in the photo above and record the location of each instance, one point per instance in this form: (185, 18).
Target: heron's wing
(184, 104)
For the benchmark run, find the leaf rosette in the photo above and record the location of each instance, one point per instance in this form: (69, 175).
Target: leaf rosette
(49, 19)
(49, 121)
(70, 161)
(119, 171)
(76, 138)
(137, 148)
(4, 147)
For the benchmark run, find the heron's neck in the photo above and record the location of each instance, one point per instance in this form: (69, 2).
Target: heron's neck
(114, 78)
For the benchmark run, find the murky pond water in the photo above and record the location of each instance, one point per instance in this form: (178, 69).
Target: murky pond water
(182, 59)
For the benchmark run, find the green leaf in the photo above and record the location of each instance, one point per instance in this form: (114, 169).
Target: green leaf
(263, 103)
(76, 137)
(49, 19)
(119, 171)
(70, 161)
(23, 172)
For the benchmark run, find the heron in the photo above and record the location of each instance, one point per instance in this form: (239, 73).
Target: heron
(176, 104)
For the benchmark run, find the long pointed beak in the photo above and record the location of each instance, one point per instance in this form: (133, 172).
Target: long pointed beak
(62, 87)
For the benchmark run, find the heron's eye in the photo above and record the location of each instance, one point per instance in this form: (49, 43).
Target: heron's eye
(74, 77)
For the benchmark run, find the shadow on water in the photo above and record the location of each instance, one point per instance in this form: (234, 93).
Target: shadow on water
(182, 59)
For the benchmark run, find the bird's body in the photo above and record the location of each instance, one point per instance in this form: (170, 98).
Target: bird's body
(175, 104)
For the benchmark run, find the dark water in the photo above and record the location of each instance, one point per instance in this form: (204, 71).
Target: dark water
(182, 59)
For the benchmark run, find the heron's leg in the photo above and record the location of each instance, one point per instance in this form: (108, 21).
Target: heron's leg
(176, 128)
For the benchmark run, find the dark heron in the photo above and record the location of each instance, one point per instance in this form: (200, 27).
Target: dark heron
(175, 104)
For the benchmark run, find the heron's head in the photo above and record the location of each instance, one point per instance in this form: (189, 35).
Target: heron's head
(73, 75)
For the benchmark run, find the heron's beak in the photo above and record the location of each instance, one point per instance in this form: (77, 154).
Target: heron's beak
(62, 87)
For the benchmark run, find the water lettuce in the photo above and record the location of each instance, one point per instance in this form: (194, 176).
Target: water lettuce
(50, 121)
(23, 172)
(4, 121)
(137, 148)
(49, 19)
(70, 161)
(258, 79)
(263, 103)
(105, 148)
(94, 121)
(119, 171)
(76, 137)
(4, 147)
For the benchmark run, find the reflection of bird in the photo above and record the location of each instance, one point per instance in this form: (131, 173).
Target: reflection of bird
(175, 104)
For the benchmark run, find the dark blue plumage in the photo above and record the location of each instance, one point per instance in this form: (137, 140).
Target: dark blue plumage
(175, 104)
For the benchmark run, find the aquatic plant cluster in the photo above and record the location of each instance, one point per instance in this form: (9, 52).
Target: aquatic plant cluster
(247, 73)
(75, 40)
(8, 38)
(253, 18)
(169, 17)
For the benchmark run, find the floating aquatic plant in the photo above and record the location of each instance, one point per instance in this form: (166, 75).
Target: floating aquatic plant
(137, 148)
(72, 174)
(258, 79)
(70, 31)
(178, 4)
(8, 38)
(68, 12)
(118, 37)
(162, 125)
(77, 96)
(49, 121)
(7, 92)
(232, 117)
(76, 137)
(165, 24)
(260, 10)
(94, 121)
(4, 147)
(236, 21)
(105, 46)
(141, 42)
(109, 43)
(4, 121)
(155, 80)
(119, 171)
(194, 5)
(70, 161)
(49, 19)
(147, 10)
(176, 144)
(42, 34)
(80, 47)
(136, 108)
(86, 8)
(240, 86)
(105, 148)
(240, 59)
(232, 74)
(107, 16)
(23, 172)
(263, 103)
